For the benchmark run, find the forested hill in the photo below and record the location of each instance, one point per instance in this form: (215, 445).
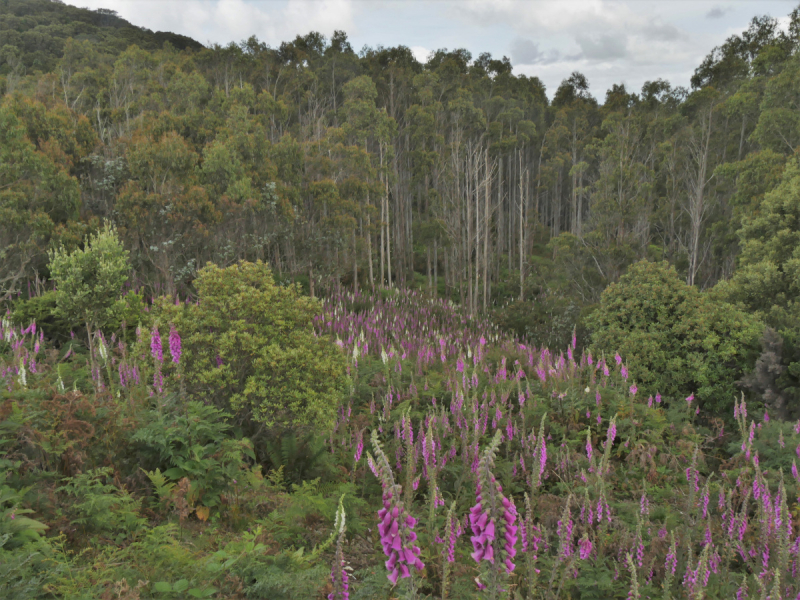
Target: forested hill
(33, 33)
(373, 169)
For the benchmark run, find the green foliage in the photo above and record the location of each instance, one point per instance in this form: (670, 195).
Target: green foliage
(249, 347)
(15, 528)
(165, 588)
(89, 281)
(767, 281)
(28, 572)
(194, 444)
(44, 310)
(37, 194)
(675, 340)
(161, 484)
(101, 507)
(299, 457)
(39, 31)
(546, 321)
(300, 519)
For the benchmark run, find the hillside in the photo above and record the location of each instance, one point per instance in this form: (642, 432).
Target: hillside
(34, 32)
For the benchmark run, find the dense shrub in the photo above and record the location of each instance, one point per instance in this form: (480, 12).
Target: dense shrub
(249, 348)
(767, 282)
(676, 340)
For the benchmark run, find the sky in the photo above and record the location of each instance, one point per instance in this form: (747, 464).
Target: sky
(609, 41)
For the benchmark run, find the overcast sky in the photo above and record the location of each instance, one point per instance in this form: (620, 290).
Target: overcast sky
(610, 41)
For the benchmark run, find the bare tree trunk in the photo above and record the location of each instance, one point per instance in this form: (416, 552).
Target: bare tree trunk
(369, 249)
(521, 231)
(698, 204)
(435, 268)
(388, 236)
(487, 191)
(430, 274)
(382, 243)
(355, 263)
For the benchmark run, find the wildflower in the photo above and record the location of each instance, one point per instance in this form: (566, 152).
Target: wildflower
(671, 562)
(495, 534)
(175, 345)
(156, 349)
(589, 444)
(396, 527)
(22, 377)
(633, 389)
(689, 399)
(359, 446)
(339, 577)
(585, 547)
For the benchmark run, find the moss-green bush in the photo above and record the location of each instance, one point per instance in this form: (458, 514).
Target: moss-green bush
(675, 339)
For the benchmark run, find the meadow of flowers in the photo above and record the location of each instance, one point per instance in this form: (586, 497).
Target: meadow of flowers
(462, 463)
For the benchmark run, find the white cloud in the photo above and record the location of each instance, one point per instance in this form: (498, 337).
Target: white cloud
(420, 53)
(224, 21)
(526, 52)
(610, 41)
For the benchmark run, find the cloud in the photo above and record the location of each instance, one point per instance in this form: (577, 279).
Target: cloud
(420, 53)
(602, 47)
(717, 12)
(663, 32)
(224, 21)
(526, 52)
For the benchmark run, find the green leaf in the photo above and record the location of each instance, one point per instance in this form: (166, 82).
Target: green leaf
(162, 586)
(174, 473)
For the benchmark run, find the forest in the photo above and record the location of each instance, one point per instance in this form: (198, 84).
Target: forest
(307, 321)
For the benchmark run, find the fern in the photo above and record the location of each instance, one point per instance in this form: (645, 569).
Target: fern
(25, 572)
(302, 458)
(161, 484)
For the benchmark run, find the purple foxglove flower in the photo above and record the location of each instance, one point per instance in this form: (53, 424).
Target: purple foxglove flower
(175, 345)
(585, 546)
(156, 349)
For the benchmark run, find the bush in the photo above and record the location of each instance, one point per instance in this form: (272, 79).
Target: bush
(43, 309)
(89, 281)
(767, 282)
(194, 445)
(676, 340)
(250, 348)
(101, 507)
